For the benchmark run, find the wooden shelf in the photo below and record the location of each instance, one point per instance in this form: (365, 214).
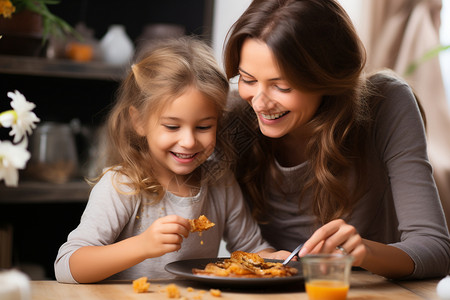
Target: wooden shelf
(38, 66)
(44, 192)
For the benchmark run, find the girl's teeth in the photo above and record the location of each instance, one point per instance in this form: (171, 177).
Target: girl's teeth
(179, 155)
(273, 116)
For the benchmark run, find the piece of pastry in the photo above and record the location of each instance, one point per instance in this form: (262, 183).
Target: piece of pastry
(200, 224)
(244, 264)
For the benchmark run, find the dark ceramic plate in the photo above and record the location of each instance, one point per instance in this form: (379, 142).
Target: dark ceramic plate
(183, 268)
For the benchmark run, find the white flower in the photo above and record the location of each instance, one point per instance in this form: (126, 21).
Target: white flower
(26, 119)
(7, 118)
(12, 158)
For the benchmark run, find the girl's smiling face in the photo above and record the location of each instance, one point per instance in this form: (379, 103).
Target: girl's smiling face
(182, 137)
(281, 109)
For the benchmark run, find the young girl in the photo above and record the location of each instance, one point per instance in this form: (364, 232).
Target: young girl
(162, 133)
(339, 160)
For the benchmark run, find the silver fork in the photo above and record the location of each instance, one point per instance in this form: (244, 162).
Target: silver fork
(293, 253)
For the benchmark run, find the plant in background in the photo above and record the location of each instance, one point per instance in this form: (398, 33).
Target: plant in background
(428, 55)
(52, 25)
(14, 155)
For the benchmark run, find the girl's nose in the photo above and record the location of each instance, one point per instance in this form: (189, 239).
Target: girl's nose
(187, 139)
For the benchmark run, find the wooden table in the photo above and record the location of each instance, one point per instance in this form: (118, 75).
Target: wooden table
(364, 286)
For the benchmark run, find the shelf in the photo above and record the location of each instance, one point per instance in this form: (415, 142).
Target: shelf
(44, 192)
(38, 66)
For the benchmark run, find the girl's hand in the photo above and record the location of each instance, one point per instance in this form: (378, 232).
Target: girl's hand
(164, 235)
(336, 233)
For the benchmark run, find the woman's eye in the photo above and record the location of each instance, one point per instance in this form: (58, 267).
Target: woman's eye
(284, 90)
(246, 80)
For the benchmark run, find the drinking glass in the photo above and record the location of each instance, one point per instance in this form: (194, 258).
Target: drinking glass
(327, 276)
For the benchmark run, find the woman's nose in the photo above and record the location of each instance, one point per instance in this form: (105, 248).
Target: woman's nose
(262, 101)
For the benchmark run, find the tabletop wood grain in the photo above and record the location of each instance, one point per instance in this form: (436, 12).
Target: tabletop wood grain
(364, 286)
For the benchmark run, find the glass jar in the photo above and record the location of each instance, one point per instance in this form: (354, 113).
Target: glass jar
(53, 153)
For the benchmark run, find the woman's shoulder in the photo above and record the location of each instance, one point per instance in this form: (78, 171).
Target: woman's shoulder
(387, 89)
(386, 81)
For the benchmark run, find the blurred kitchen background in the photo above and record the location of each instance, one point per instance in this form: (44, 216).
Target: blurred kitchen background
(73, 84)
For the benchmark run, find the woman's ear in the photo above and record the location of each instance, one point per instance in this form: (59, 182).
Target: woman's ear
(135, 120)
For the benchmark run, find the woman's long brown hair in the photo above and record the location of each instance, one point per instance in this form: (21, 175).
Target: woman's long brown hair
(317, 49)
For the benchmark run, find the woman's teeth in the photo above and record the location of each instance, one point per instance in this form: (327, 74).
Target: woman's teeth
(274, 116)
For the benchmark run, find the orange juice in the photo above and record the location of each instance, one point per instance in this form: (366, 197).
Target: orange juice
(326, 290)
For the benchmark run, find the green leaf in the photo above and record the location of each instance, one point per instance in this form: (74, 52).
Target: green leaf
(428, 55)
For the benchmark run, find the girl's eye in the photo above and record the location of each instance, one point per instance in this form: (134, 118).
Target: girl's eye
(171, 127)
(204, 127)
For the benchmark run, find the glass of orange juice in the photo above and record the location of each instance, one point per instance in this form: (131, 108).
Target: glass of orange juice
(327, 276)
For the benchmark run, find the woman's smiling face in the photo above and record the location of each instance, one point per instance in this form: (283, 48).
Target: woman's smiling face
(280, 108)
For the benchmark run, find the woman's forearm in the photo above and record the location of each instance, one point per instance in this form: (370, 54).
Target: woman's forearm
(387, 261)
(95, 263)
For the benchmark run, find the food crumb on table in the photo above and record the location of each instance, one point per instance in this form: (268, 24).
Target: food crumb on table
(215, 292)
(141, 285)
(172, 291)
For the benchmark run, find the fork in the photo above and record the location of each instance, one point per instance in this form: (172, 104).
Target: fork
(294, 253)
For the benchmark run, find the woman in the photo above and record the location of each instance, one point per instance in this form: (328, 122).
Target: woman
(340, 160)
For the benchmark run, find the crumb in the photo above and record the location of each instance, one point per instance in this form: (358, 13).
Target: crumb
(198, 297)
(141, 285)
(172, 291)
(189, 289)
(201, 242)
(215, 292)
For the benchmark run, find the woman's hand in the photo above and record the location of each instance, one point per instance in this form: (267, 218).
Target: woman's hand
(272, 254)
(164, 235)
(336, 233)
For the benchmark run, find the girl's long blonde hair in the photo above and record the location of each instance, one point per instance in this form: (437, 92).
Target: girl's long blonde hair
(160, 74)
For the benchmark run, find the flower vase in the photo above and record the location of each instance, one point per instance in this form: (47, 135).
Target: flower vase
(116, 47)
(21, 34)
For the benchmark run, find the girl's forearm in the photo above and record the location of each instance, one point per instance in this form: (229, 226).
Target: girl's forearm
(95, 263)
(387, 261)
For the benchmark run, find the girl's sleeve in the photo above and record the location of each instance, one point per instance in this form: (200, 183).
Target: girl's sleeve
(401, 141)
(241, 231)
(106, 214)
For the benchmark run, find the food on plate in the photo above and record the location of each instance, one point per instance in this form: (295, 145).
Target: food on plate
(172, 291)
(200, 224)
(141, 285)
(248, 265)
